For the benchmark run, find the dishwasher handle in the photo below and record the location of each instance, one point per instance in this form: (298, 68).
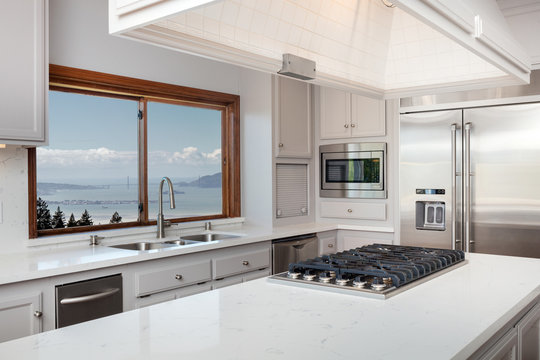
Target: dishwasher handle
(301, 243)
(87, 298)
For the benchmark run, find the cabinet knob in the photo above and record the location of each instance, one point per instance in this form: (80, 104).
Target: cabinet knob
(245, 263)
(38, 314)
(280, 145)
(346, 125)
(349, 210)
(330, 245)
(353, 125)
(178, 277)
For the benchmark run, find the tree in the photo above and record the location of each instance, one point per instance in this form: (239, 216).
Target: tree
(72, 222)
(85, 219)
(44, 220)
(115, 218)
(58, 219)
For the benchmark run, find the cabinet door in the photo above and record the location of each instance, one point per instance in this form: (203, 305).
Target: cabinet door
(335, 113)
(23, 92)
(293, 125)
(529, 335)
(20, 316)
(505, 348)
(368, 116)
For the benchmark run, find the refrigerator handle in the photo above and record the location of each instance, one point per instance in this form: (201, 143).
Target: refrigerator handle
(467, 186)
(454, 180)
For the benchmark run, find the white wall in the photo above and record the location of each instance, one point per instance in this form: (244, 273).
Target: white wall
(79, 38)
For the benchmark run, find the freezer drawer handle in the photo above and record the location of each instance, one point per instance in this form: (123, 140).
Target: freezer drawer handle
(92, 297)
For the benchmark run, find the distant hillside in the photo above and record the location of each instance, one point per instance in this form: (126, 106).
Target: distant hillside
(51, 188)
(207, 181)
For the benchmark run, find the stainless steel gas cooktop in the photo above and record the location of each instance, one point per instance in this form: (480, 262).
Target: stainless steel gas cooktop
(376, 270)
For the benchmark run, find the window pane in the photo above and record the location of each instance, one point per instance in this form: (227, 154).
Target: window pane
(184, 144)
(91, 161)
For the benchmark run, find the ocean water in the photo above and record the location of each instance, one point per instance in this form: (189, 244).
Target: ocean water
(190, 201)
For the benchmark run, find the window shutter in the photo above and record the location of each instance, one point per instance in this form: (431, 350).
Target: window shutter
(292, 190)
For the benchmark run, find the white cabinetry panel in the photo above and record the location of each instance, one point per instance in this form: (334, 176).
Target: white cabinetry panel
(348, 210)
(20, 316)
(23, 88)
(335, 113)
(293, 123)
(368, 116)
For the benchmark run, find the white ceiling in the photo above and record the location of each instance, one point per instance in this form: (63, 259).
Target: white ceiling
(359, 41)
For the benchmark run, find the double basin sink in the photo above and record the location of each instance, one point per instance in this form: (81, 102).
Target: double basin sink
(184, 240)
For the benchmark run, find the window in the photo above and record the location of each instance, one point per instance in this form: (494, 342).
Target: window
(111, 141)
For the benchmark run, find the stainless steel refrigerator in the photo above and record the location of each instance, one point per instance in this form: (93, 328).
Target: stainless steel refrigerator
(470, 179)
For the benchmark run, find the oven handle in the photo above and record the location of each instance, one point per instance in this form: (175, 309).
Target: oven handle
(467, 186)
(87, 298)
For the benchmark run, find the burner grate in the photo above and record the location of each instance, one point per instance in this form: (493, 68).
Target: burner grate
(378, 265)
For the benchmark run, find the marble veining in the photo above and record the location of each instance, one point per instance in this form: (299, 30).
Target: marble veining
(447, 317)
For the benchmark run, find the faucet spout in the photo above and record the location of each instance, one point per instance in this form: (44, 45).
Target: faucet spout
(160, 221)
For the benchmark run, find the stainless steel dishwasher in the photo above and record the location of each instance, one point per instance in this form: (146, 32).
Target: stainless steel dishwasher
(88, 300)
(293, 249)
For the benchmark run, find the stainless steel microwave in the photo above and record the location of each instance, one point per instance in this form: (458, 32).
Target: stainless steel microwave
(354, 170)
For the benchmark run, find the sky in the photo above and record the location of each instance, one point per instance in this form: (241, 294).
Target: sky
(94, 138)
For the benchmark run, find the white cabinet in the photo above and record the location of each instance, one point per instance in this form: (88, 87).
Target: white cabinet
(505, 348)
(529, 335)
(350, 210)
(185, 273)
(520, 342)
(242, 262)
(24, 63)
(327, 242)
(293, 118)
(346, 115)
(20, 316)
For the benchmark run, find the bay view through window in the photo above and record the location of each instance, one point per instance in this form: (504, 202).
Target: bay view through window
(112, 139)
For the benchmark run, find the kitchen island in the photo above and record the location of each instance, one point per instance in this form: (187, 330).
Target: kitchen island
(450, 316)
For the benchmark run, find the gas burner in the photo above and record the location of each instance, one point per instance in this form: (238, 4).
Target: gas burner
(378, 284)
(377, 270)
(340, 280)
(309, 276)
(325, 277)
(359, 282)
(293, 274)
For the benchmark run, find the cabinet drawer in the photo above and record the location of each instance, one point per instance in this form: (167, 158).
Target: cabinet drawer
(172, 277)
(241, 263)
(363, 211)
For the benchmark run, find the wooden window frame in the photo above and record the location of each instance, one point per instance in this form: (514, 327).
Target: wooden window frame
(62, 78)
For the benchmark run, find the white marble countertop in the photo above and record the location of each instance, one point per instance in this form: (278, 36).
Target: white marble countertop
(447, 317)
(35, 263)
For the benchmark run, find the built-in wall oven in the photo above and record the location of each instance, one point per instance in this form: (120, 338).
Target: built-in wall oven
(353, 170)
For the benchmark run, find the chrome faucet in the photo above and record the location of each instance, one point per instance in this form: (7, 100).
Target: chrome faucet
(160, 222)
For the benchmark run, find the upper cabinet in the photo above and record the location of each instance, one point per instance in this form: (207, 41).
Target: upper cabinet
(24, 62)
(293, 118)
(344, 115)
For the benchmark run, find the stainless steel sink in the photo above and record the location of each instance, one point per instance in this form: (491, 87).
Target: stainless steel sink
(208, 237)
(182, 242)
(143, 246)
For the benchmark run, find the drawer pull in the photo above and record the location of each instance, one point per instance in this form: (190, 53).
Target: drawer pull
(349, 210)
(178, 277)
(245, 263)
(346, 126)
(353, 125)
(38, 314)
(280, 145)
(330, 245)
